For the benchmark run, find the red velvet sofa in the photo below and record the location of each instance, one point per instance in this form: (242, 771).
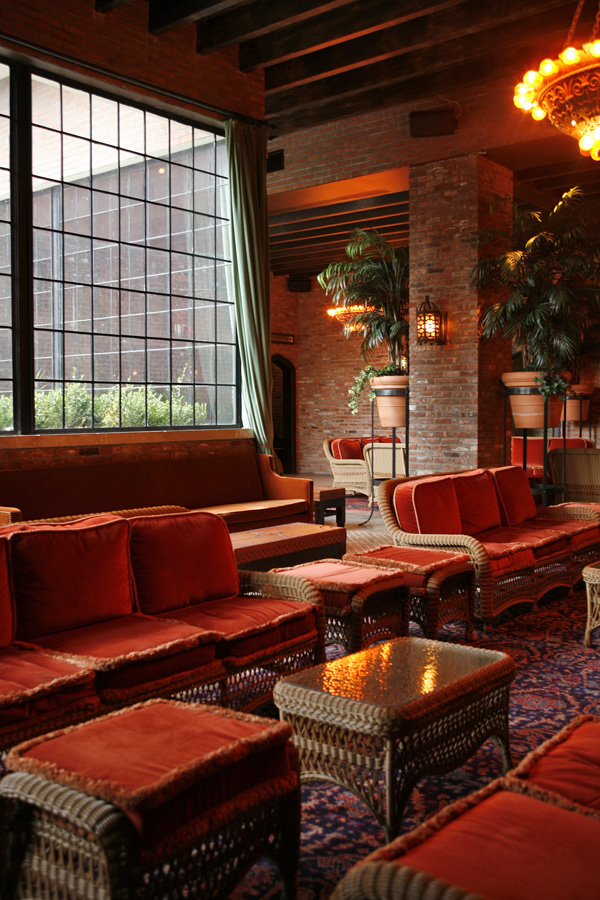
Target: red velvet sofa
(106, 611)
(519, 551)
(241, 487)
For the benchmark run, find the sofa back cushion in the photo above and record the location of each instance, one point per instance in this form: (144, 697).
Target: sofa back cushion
(181, 559)
(68, 576)
(428, 506)
(7, 619)
(477, 501)
(346, 448)
(578, 443)
(514, 494)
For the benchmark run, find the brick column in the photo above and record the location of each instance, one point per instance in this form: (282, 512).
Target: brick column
(456, 397)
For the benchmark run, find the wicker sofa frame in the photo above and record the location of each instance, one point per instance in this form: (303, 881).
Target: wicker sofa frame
(498, 591)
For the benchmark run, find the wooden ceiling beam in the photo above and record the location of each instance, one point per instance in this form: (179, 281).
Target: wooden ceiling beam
(164, 15)
(335, 27)
(282, 233)
(262, 18)
(471, 17)
(364, 204)
(104, 6)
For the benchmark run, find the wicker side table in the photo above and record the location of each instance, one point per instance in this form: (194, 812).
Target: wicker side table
(180, 800)
(377, 721)
(591, 576)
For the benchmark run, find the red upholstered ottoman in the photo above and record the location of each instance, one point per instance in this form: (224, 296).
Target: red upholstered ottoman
(363, 604)
(566, 768)
(495, 844)
(162, 799)
(441, 583)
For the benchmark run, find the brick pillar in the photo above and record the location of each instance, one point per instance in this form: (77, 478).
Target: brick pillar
(456, 397)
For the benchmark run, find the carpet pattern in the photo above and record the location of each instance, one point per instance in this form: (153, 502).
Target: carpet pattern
(557, 678)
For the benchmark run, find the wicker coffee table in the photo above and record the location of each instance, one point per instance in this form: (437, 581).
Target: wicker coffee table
(377, 721)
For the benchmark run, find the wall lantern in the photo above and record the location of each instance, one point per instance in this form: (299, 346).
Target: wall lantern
(432, 324)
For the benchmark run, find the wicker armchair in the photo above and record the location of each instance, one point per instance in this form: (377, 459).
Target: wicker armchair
(355, 474)
(581, 473)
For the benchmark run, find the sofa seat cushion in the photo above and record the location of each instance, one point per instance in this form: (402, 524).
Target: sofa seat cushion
(338, 581)
(33, 684)
(543, 541)
(427, 506)
(347, 448)
(515, 499)
(172, 790)
(181, 559)
(251, 625)
(568, 764)
(70, 576)
(258, 510)
(131, 651)
(506, 848)
(417, 564)
(580, 532)
(504, 552)
(477, 501)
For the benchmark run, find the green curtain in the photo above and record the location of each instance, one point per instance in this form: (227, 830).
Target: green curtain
(247, 161)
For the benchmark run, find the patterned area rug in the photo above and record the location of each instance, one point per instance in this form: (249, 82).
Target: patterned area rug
(557, 678)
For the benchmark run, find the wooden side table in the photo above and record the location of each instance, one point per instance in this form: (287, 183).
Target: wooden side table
(591, 576)
(330, 501)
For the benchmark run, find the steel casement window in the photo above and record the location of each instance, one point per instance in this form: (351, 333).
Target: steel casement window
(131, 324)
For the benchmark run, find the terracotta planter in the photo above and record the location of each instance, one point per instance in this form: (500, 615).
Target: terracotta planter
(585, 388)
(390, 393)
(527, 405)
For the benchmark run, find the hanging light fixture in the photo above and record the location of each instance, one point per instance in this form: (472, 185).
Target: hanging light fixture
(343, 314)
(567, 90)
(431, 324)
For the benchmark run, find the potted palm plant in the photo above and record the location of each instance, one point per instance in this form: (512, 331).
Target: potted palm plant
(547, 266)
(372, 284)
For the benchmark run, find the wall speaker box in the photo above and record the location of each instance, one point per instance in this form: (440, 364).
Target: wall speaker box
(275, 161)
(432, 122)
(299, 285)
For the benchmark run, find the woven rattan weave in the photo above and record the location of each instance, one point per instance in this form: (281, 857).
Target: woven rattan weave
(591, 576)
(377, 721)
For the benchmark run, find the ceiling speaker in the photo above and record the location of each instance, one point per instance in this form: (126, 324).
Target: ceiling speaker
(432, 122)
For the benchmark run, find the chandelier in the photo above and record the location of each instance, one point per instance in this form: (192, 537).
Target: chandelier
(567, 90)
(343, 314)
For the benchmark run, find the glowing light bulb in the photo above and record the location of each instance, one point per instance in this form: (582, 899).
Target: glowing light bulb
(595, 152)
(521, 88)
(569, 55)
(595, 48)
(548, 67)
(519, 101)
(586, 142)
(538, 113)
(532, 78)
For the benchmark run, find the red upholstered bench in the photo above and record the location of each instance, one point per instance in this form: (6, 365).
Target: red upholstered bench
(162, 799)
(496, 844)
(441, 583)
(363, 604)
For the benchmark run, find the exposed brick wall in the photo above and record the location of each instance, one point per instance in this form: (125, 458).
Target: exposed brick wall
(119, 41)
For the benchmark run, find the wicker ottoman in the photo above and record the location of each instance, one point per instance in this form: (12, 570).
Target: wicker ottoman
(163, 799)
(286, 545)
(377, 721)
(441, 583)
(363, 604)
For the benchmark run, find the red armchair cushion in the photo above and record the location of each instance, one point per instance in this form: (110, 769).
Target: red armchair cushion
(68, 576)
(514, 495)
(477, 501)
(417, 564)
(7, 619)
(251, 625)
(134, 650)
(34, 685)
(338, 581)
(346, 448)
(505, 847)
(428, 506)
(181, 559)
(168, 787)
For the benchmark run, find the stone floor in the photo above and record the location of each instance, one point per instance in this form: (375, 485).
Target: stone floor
(358, 536)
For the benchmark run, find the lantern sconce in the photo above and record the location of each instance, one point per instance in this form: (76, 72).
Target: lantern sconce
(432, 324)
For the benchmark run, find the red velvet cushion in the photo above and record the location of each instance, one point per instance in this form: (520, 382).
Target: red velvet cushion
(167, 786)
(68, 576)
(572, 768)
(346, 448)
(251, 625)
(34, 685)
(556, 443)
(509, 847)
(134, 650)
(535, 451)
(477, 501)
(514, 495)
(417, 564)
(181, 559)
(506, 555)
(428, 506)
(338, 582)
(7, 619)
